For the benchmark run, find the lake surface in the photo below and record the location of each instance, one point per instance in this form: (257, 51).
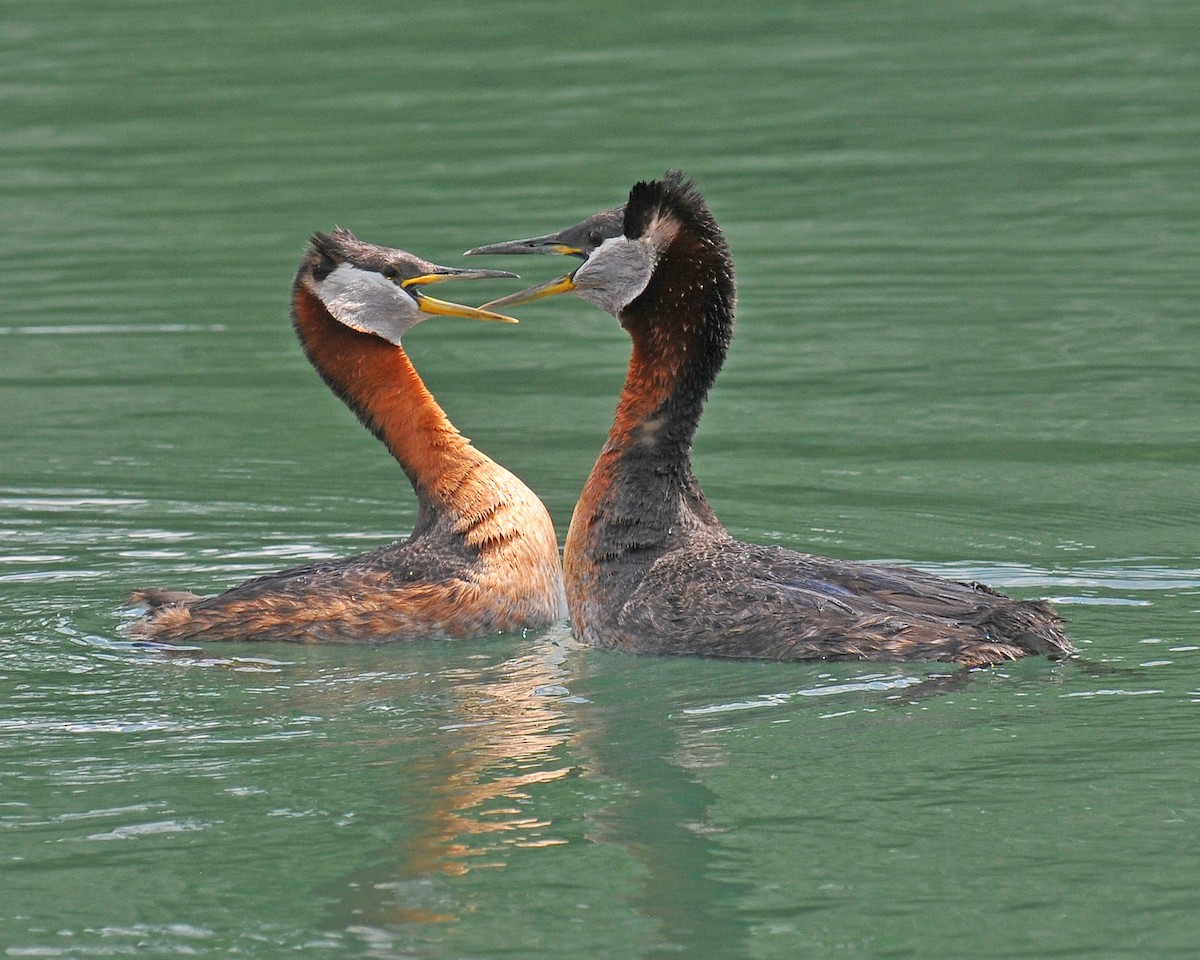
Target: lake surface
(967, 239)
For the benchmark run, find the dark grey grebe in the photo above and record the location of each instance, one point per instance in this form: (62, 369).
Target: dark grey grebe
(648, 566)
(483, 556)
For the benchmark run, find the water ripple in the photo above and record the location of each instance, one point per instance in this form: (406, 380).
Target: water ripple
(869, 683)
(139, 830)
(93, 329)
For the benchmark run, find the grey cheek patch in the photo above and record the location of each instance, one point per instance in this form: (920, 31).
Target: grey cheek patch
(367, 302)
(616, 274)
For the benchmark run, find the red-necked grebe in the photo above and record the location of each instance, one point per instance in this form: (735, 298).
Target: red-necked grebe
(648, 566)
(482, 557)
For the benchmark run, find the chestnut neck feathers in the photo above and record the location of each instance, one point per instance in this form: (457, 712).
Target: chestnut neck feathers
(378, 382)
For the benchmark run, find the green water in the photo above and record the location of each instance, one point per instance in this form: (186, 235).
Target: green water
(967, 238)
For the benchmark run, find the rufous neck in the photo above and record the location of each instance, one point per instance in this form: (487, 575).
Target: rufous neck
(661, 401)
(378, 382)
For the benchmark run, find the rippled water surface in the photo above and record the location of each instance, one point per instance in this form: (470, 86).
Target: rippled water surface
(966, 238)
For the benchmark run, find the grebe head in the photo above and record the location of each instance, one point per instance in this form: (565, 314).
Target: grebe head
(376, 289)
(580, 240)
(624, 247)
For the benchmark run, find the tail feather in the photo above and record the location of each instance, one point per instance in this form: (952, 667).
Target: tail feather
(156, 598)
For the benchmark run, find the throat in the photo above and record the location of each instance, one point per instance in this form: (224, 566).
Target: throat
(661, 403)
(642, 495)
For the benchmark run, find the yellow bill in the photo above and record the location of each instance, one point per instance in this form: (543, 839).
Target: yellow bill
(444, 308)
(550, 288)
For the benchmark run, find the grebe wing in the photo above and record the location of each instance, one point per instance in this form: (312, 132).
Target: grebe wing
(389, 592)
(732, 599)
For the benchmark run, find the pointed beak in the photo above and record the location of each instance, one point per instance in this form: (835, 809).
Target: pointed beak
(550, 243)
(428, 304)
(553, 243)
(564, 284)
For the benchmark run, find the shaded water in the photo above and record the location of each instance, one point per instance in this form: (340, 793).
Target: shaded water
(966, 241)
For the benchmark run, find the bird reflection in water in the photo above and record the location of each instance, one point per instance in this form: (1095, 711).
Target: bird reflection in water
(519, 775)
(505, 735)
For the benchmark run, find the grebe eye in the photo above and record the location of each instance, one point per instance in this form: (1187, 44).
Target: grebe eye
(390, 273)
(595, 239)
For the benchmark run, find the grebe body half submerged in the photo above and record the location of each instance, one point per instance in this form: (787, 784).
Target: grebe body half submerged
(483, 555)
(648, 566)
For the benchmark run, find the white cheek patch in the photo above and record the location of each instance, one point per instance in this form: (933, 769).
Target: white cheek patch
(365, 301)
(616, 273)
(351, 294)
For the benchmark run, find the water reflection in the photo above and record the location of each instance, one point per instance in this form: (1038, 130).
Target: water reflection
(487, 779)
(692, 883)
(513, 735)
(502, 736)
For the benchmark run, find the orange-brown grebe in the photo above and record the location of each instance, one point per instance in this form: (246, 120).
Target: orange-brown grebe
(482, 557)
(648, 566)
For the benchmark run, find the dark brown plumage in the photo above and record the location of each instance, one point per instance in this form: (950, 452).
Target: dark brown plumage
(483, 556)
(648, 566)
